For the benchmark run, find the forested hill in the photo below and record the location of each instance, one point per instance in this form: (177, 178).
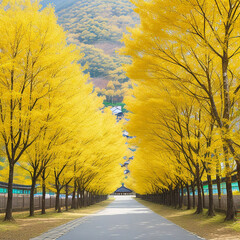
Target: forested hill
(58, 4)
(97, 26)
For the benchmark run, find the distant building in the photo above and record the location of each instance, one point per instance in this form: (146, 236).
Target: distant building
(17, 188)
(117, 111)
(123, 191)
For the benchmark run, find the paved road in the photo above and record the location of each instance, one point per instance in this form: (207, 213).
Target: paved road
(126, 219)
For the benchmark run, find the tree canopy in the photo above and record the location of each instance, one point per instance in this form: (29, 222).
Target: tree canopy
(53, 130)
(185, 58)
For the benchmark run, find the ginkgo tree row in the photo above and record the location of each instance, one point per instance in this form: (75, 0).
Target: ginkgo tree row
(53, 131)
(185, 110)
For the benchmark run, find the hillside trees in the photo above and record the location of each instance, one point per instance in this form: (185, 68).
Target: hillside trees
(93, 21)
(193, 46)
(101, 65)
(46, 105)
(97, 27)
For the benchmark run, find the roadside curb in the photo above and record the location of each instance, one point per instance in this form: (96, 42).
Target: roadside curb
(59, 231)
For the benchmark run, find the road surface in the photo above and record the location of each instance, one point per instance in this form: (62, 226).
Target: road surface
(126, 219)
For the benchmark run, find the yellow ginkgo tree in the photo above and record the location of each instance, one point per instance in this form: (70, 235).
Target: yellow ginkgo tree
(193, 46)
(51, 121)
(34, 57)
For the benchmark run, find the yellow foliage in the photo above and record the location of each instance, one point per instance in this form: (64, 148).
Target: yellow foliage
(185, 100)
(52, 128)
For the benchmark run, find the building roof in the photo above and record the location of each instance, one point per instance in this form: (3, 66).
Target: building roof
(116, 110)
(123, 189)
(15, 186)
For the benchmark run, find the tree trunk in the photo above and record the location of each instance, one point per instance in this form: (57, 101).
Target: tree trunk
(78, 200)
(164, 197)
(59, 203)
(66, 199)
(43, 193)
(87, 201)
(173, 197)
(81, 199)
(203, 195)
(74, 197)
(32, 196)
(8, 215)
(230, 214)
(193, 192)
(57, 200)
(59, 207)
(170, 196)
(238, 174)
(210, 196)
(188, 197)
(181, 197)
(219, 191)
(199, 205)
(89, 198)
(176, 191)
